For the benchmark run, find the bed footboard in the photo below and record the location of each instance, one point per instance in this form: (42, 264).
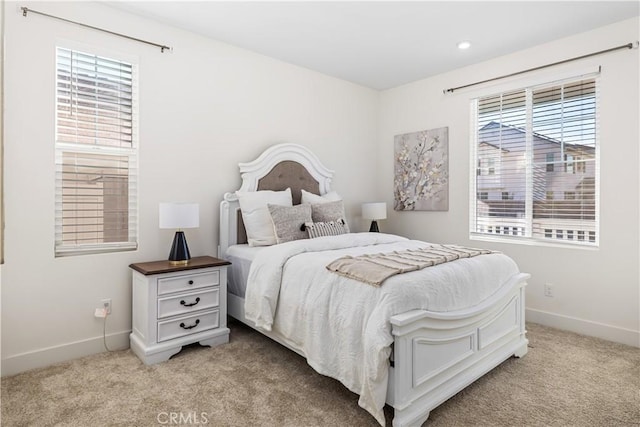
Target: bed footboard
(438, 354)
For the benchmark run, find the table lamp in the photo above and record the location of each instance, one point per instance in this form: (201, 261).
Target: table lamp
(179, 216)
(374, 211)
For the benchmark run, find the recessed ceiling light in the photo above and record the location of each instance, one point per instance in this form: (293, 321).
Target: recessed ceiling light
(464, 45)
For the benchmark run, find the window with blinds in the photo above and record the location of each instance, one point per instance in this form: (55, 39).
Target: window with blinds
(96, 154)
(536, 152)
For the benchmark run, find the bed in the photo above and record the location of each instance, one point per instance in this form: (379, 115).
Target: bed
(386, 344)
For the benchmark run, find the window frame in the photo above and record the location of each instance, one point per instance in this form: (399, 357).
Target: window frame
(62, 249)
(581, 239)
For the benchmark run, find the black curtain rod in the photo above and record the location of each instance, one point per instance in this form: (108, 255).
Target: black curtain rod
(624, 46)
(162, 47)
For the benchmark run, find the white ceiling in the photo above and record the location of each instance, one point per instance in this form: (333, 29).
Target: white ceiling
(384, 44)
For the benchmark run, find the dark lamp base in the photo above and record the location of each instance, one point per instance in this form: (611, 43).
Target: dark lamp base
(374, 227)
(179, 254)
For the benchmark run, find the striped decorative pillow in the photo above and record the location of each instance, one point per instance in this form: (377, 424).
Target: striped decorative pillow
(331, 228)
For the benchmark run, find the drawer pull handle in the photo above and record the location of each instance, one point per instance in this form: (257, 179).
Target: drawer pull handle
(190, 327)
(191, 282)
(190, 305)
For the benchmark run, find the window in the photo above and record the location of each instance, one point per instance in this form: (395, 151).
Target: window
(551, 158)
(96, 154)
(531, 131)
(568, 163)
(491, 166)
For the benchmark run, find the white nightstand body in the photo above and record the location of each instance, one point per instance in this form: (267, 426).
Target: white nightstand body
(178, 308)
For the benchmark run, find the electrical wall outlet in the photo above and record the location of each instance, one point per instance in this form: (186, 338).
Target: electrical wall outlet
(548, 290)
(106, 305)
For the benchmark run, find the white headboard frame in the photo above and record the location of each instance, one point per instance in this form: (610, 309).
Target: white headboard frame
(252, 172)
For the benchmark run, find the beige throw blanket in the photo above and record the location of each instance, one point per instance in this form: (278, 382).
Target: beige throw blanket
(376, 268)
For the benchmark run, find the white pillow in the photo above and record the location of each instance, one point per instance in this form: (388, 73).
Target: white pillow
(311, 198)
(256, 217)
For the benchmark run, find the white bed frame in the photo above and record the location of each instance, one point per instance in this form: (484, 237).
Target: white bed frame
(435, 355)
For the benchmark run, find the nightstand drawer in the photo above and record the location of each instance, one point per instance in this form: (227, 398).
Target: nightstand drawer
(188, 282)
(187, 303)
(171, 329)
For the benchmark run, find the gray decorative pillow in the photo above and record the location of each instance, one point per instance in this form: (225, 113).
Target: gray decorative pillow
(288, 221)
(327, 212)
(331, 228)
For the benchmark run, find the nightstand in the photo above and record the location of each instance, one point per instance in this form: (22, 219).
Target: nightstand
(178, 305)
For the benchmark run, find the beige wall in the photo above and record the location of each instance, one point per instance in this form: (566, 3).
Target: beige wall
(203, 109)
(596, 291)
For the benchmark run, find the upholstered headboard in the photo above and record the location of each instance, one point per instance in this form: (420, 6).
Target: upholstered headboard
(279, 167)
(289, 174)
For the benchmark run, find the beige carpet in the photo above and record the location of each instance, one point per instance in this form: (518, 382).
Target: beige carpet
(564, 380)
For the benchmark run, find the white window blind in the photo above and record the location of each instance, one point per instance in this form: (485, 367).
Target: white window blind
(536, 152)
(96, 154)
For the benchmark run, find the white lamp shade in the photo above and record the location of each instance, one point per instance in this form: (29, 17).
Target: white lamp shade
(179, 215)
(374, 211)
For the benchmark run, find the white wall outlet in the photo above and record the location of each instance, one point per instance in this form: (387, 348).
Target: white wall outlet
(548, 290)
(106, 305)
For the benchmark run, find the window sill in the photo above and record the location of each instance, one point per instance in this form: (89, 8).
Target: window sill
(529, 241)
(92, 250)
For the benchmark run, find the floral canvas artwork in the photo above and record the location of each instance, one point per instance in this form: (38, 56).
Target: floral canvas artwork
(422, 170)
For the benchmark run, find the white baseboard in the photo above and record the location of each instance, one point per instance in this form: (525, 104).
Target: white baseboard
(47, 356)
(120, 340)
(584, 327)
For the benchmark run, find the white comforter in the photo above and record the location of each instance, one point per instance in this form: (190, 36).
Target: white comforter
(342, 326)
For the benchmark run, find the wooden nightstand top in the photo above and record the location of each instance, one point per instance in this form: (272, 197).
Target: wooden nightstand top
(159, 267)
